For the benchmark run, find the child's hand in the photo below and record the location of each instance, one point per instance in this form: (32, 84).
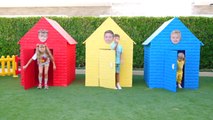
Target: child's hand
(24, 67)
(122, 61)
(54, 67)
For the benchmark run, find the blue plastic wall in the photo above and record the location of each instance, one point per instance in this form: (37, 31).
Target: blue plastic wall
(156, 51)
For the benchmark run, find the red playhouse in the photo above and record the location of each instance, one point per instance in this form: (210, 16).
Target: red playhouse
(62, 46)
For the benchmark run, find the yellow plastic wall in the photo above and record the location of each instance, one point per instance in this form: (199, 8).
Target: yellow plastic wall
(95, 42)
(107, 68)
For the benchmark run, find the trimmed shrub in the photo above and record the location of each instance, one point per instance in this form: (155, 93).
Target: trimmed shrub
(138, 28)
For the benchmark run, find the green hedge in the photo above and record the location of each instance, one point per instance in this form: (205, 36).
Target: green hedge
(138, 28)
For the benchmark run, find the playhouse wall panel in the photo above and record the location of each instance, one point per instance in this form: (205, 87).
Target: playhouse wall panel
(71, 63)
(160, 41)
(153, 83)
(192, 84)
(60, 79)
(157, 66)
(106, 69)
(127, 61)
(26, 54)
(92, 69)
(30, 39)
(146, 63)
(191, 79)
(61, 70)
(155, 79)
(96, 42)
(127, 53)
(126, 75)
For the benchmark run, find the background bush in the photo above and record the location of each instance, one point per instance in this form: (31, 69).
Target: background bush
(138, 28)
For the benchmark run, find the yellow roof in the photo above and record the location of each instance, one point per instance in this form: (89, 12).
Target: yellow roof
(108, 24)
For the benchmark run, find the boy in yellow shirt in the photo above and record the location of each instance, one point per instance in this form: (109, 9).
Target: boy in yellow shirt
(180, 64)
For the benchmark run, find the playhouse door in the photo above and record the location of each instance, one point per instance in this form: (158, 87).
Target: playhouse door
(107, 68)
(30, 73)
(170, 71)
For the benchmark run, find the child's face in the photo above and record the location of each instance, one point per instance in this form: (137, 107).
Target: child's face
(175, 38)
(42, 36)
(108, 37)
(180, 56)
(116, 39)
(41, 48)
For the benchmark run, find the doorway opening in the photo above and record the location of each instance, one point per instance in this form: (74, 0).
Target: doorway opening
(50, 73)
(183, 75)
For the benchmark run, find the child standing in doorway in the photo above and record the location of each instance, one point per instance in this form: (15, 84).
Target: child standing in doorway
(118, 52)
(43, 56)
(109, 37)
(180, 64)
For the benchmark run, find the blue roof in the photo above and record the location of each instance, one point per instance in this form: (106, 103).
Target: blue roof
(156, 32)
(159, 30)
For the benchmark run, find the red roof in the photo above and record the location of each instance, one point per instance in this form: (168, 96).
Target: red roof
(57, 27)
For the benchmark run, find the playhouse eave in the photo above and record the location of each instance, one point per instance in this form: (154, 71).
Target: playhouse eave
(161, 28)
(107, 20)
(131, 39)
(61, 31)
(57, 28)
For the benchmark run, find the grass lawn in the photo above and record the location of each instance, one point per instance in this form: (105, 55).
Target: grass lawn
(78, 102)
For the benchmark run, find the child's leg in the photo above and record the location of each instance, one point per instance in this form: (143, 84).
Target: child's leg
(117, 76)
(40, 72)
(46, 69)
(179, 79)
(118, 81)
(117, 71)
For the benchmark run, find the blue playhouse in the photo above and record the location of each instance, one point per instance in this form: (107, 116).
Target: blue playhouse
(160, 57)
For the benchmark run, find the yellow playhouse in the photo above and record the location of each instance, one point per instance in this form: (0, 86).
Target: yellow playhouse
(100, 59)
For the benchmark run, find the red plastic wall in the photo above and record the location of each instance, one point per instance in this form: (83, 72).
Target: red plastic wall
(71, 63)
(63, 53)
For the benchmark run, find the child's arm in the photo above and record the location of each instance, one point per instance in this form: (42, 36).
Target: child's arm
(115, 48)
(25, 66)
(51, 57)
(121, 59)
(54, 66)
(33, 58)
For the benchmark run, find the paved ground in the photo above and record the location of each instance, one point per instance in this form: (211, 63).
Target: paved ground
(104, 8)
(139, 72)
